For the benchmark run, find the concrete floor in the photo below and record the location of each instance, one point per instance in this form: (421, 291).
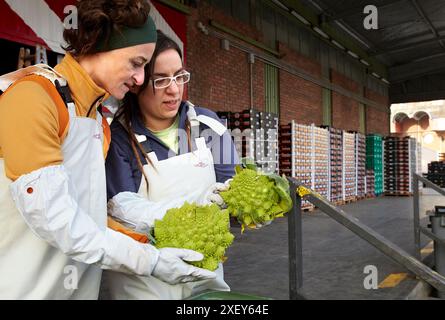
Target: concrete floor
(333, 257)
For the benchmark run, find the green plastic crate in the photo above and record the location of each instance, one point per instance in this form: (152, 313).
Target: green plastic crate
(373, 136)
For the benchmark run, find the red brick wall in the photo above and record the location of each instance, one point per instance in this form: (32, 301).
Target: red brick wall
(220, 78)
(377, 121)
(345, 111)
(300, 100)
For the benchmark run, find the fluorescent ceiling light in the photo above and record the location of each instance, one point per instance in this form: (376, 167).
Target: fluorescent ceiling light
(353, 34)
(300, 17)
(353, 54)
(321, 32)
(366, 63)
(338, 45)
(282, 6)
(385, 81)
(376, 75)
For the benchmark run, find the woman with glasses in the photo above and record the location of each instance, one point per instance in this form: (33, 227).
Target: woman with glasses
(54, 239)
(163, 152)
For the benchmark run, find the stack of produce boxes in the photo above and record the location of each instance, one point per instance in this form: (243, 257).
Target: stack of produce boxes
(245, 127)
(370, 184)
(349, 167)
(391, 165)
(286, 149)
(225, 116)
(336, 165)
(255, 135)
(303, 157)
(296, 161)
(418, 157)
(436, 173)
(360, 160)
(267, 153)
(321, 172)
(400, 163)
(374, 160)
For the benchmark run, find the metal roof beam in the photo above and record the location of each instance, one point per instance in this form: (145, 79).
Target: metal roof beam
(395, 48)
(425, 18)
(334, 32)
(357, 10)
(414, 69)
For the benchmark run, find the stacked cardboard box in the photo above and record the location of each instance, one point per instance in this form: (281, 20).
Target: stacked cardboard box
(360, 160)
(336, 165)
(436, 173)
(296, 154)
(225, 116)
(255, 135)
(286, 149)
(303, 157)
(349, 167)
(267, 154)
(320, 159)
(370, 183)
(374, 160)
(400, 164)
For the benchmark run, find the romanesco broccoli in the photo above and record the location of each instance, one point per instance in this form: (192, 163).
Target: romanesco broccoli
(201, 228)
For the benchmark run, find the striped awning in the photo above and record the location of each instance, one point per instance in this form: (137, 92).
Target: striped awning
(34, 22)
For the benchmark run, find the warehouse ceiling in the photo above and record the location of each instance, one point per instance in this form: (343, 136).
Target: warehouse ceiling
(409, 41)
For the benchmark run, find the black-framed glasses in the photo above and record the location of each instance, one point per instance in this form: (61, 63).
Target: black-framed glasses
(164, 82)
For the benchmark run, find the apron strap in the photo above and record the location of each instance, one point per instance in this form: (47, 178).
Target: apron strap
(72, 109)
(153, 157)
(99, 124)
(39, 69)
(194, 122)
(213, 124)
(201, 143)
(140, 137)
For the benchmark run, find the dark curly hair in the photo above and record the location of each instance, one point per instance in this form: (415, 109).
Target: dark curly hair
(97, 19)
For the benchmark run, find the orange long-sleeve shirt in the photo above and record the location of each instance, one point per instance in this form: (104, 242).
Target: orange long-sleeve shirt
(30, 124)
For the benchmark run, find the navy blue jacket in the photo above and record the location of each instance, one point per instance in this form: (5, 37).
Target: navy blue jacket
(122, 171)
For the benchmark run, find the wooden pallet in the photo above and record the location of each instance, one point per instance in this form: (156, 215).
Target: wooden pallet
(350, 200)
(308, 209)
(399, 194)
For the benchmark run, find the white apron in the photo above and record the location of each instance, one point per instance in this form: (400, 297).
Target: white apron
(32, 269)
(187, 176)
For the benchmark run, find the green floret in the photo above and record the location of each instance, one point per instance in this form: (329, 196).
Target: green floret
(201, 228)
(256, 198)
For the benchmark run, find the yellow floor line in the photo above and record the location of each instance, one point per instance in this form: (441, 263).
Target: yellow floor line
(394, 279)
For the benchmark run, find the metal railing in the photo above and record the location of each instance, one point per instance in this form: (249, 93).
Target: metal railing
(418, 229)
(295, 235)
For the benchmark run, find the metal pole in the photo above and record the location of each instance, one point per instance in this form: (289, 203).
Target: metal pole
(295, 244)
(438, 229)
(416, 221)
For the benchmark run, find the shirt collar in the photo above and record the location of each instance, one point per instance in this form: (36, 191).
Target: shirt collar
(139, 127)
(83, 89)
